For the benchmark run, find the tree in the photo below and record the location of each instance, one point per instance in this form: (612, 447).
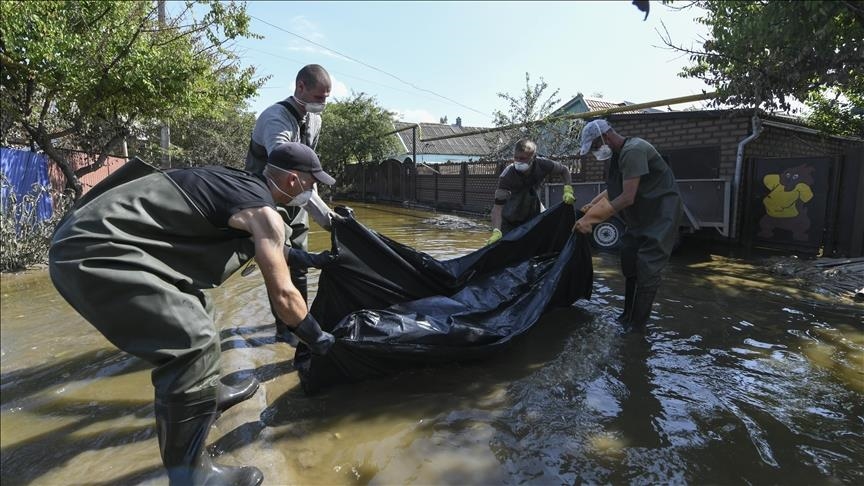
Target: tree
(211, 139)
(85, 75)
(530, 108)
(835, 113)
(353, 131)
(762, 54)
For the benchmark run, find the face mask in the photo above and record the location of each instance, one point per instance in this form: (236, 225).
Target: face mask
(603, 153)
(310, 107)
(298, 200)
(522, 166)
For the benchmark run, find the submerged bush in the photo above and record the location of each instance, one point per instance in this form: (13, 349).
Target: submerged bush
(25, 236)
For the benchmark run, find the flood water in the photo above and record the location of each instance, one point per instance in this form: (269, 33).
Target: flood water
(742, 378)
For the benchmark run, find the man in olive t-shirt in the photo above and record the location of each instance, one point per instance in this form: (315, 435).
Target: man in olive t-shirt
(641, 187)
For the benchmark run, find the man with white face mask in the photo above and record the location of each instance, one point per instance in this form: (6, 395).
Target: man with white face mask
(296, 119)
(517, 197)
(641, 187)
(134, 257)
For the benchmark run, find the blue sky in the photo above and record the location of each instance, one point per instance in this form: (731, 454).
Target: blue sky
(453, 58)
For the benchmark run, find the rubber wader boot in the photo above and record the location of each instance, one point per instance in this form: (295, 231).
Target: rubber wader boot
(229, 395)
(641, 311)
(310, 333)
(182, 428)
(629, 294)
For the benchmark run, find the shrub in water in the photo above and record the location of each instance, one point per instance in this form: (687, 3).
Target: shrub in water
(25, 236)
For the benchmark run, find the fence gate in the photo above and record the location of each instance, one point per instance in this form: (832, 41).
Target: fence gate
(788, 203)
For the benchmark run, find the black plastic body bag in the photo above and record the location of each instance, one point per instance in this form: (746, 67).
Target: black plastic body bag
(391, 307)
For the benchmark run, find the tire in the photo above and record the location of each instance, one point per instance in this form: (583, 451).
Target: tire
(607, 235)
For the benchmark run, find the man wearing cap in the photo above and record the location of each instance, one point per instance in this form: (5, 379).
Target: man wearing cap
(517, 197)
(296, 119)
(641, 186)
(133, 258)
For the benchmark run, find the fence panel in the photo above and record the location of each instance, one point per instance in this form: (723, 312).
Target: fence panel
(462, 186)
(22, 170)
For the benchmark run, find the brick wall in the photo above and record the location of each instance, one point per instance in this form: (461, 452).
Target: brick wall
(680, 130)
(78, 160)
(784, 142)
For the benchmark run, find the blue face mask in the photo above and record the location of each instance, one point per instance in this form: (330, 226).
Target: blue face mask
(522, 166)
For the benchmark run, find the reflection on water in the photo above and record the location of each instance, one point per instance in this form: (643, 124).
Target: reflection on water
(741, 379)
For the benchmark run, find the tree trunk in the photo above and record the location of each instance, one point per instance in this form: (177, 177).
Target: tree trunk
(44, 141)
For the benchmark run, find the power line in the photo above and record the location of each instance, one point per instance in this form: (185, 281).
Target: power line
(278, 56)
(369, 66)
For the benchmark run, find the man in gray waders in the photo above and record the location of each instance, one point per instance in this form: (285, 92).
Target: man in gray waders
(641, 186)
(133, 256)
(296, 119)
(517, 198)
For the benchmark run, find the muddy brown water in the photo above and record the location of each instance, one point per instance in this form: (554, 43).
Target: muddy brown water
(743, 378)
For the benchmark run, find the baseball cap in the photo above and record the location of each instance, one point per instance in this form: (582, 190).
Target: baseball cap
(299, 157)
(590, 131)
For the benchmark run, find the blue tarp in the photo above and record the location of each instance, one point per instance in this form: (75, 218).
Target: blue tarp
(22, 170)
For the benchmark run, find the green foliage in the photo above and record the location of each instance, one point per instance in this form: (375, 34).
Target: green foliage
(86, 74)
(217, 139)
(353, 131)
(762, 53)
(835, 115)
(26, 238)
(530, 108)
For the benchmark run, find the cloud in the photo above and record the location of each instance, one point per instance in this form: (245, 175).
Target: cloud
(415, 116)
(338, 89)
(302, 26)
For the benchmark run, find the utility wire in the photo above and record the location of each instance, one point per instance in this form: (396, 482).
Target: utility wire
(330, 70)
(369, 66)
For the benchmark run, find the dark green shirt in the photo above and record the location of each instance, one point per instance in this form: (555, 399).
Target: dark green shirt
(657, 200)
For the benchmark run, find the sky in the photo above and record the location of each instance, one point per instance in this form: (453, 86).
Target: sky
(428, 60)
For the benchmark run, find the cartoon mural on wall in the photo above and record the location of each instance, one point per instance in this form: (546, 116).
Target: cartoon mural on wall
(786, 203)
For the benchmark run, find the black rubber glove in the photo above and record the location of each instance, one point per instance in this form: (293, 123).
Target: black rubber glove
(303, 259)
(310, 333)
(337, 218)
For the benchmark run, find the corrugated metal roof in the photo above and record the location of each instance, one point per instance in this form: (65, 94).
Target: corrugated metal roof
(477, 145)
(595, 104)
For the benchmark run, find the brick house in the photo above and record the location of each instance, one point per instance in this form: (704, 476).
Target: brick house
(719, 145)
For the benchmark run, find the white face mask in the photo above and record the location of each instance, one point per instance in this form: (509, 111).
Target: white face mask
(603, 153)
(310, 107)
(522, 166)
(298, 200)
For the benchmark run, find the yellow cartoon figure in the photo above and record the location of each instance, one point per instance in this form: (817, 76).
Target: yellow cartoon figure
(785, 204)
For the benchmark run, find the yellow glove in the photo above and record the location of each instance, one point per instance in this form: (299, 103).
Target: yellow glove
(599, 212)
(569, 198)
(496, 235)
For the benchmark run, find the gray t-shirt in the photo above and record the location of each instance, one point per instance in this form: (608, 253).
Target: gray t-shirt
(277, 124)
(513, 181)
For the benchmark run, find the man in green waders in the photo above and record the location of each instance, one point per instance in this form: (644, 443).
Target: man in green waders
(517, 198)
(641, 186)
(136, 252)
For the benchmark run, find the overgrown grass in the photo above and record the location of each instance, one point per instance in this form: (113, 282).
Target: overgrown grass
(26, 238)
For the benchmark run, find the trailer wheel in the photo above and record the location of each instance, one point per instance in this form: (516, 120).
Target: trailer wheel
(607, 235)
